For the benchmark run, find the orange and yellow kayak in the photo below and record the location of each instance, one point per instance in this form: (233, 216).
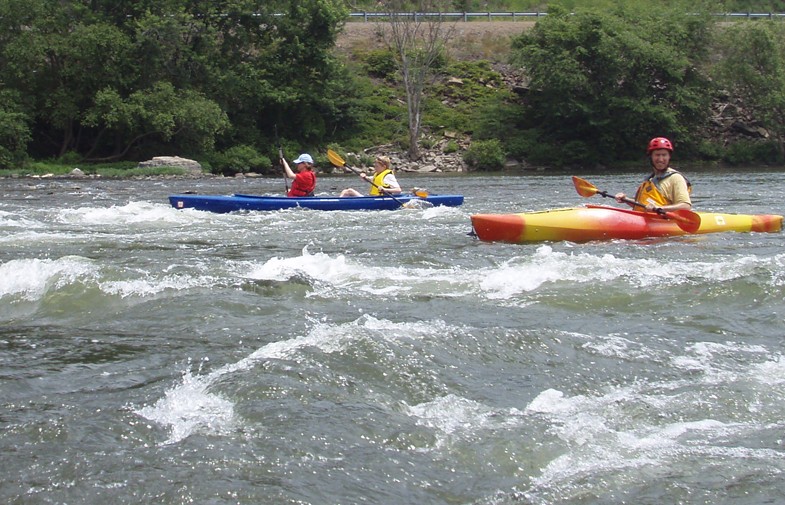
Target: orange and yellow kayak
(599, 222)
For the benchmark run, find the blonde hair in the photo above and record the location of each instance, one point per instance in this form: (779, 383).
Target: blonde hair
(386, 161)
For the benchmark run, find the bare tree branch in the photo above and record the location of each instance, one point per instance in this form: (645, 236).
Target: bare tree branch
(417, 40)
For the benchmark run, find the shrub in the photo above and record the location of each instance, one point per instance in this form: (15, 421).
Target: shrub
(380, 63)
(451, 147)
(485, 155)
(244, 158)
(744, 152)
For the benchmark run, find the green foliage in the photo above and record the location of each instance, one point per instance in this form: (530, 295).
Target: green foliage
(603, 83)
(753, 67)
(485, 155)
(379, 116)
(542, 6)
(241, 158)
(14, 131)
(237, 67)
(69, 158)
(379, 63)
(749, 153)
(126, 80)
(185, 119)
(463, 86)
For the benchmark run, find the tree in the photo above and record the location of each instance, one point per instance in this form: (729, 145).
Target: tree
(753, 67)
(183, 118)
(417, 41)
(83, 70)
(603, 83)
(14, 130)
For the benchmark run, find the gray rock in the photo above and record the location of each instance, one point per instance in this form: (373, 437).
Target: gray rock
(190, 166)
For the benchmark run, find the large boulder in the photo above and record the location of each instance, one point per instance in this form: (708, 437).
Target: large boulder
(190, 166)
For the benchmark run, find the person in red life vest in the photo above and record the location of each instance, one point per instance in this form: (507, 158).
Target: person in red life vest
(305, 179)
(383, 180)
(665, 188)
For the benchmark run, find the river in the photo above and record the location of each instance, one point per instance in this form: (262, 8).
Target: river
(150, 355)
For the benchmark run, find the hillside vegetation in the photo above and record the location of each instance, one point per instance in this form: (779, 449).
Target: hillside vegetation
(591, 87)
(229, 83)
(542, 6)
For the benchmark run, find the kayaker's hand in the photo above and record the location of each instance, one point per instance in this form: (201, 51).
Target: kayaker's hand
(620, 197)
(650, 207)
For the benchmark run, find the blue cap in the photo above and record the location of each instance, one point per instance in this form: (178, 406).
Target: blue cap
(304, 158)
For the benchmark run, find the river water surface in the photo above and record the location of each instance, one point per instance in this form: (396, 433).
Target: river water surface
(150, 355)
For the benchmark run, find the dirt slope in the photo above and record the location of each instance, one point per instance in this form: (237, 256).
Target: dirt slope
(473, 39)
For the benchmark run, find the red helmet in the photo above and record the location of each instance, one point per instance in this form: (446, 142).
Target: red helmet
(659, 143)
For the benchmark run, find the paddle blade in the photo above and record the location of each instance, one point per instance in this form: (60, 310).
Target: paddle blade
(584, 187)
(687, 220)
(335, 159)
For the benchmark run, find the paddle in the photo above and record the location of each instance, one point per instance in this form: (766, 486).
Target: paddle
(687, 220)
(280, 158)
(336, 160)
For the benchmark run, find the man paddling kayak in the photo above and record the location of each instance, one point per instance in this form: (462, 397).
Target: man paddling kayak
(665, 188)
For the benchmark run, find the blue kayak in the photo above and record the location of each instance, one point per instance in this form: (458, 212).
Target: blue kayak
(216, 203)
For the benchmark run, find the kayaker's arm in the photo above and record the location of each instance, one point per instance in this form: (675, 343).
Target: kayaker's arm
(287, 170)
(622, 198)
(672, 207)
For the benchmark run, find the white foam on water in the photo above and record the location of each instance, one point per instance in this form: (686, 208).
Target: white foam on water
(629, 432)
(348, 273)
(717, 361)
(149, 285)
(511, 279)
(455, 414)
(451, 414)
(430, 213)
(317, 266)
(31, 279)
(771, 373)
(190, 407)
(131, 213)
(613, 346)
(13, 220)
(546, 266)
(601, 440)
(525, 274)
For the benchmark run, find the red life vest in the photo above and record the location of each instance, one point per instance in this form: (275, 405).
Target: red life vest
(303, 185)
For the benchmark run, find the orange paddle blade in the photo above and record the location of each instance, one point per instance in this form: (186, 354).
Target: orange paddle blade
(584, 187)
(687, 220)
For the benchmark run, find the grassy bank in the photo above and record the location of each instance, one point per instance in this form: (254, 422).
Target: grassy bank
(118, 170)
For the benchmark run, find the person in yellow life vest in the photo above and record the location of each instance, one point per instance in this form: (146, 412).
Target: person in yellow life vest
(665, 188)
(382, 181)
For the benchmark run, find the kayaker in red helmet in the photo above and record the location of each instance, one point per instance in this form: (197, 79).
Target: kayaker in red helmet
(665, 188)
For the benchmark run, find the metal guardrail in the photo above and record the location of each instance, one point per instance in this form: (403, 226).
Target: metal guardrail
(466, 16)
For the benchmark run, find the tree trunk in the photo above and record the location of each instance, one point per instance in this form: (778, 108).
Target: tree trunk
(416, 42)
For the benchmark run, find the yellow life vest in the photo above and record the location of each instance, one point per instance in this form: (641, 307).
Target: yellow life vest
(378, 182)
(650, 191)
